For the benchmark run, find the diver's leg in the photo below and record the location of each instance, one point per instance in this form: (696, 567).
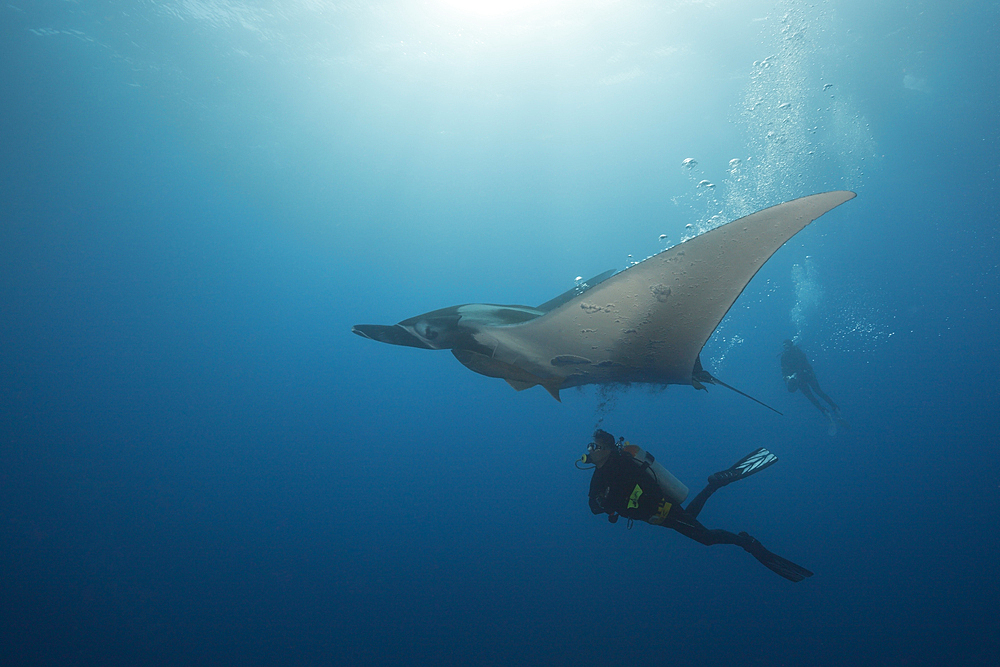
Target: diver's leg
(780, 566)
(812, 399)
(687, 525)
(752, 463)
(815, 386)
(695, 506)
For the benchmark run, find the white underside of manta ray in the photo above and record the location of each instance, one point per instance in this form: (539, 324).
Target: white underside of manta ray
(647, 323)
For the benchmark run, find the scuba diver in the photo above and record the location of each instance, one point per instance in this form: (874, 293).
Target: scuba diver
(628, 482)
(799, 374)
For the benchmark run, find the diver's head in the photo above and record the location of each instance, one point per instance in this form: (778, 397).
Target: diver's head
(788, 344)
(604, 439)
(601, 448)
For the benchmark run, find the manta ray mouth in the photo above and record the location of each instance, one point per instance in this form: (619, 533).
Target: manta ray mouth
(392, 334)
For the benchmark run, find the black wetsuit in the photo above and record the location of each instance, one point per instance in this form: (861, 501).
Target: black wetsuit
(624, 486)
(799, 374)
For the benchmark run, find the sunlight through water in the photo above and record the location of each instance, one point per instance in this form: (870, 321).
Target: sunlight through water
(497, 8)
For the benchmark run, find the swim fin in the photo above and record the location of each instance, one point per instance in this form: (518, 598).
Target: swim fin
(773, 562)
(753, 462)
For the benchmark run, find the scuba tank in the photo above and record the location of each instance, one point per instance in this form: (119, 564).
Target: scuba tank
(674, 490)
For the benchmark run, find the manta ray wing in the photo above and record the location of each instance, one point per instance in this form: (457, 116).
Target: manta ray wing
(649, 322)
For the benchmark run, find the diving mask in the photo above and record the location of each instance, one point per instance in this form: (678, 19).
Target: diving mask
(596, 454)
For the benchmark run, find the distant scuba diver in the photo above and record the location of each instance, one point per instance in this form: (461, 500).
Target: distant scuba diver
(628, 482)
(799, 374)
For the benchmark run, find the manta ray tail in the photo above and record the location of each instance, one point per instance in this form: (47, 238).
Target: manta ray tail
(701, 376)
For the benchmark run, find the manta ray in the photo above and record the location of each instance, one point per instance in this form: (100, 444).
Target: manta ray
(644, 324)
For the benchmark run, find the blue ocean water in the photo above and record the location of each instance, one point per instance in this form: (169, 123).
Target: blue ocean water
(200, 464)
